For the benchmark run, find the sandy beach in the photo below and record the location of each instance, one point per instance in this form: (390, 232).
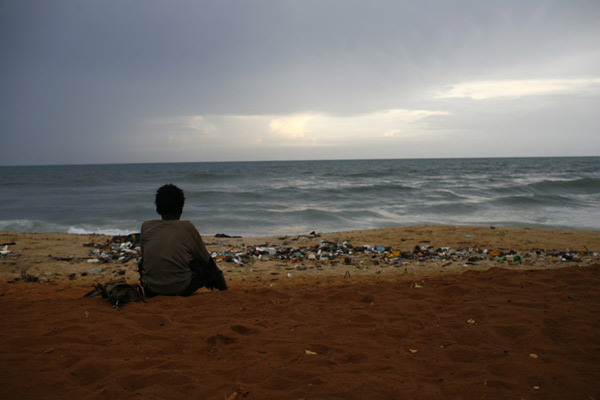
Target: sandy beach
(423, 312)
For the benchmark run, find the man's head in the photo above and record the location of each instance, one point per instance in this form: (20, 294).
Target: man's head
(169, 201)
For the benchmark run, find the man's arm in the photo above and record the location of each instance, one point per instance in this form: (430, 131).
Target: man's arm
(199, 250)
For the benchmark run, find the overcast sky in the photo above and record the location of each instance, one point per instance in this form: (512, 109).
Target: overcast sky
(165, 81)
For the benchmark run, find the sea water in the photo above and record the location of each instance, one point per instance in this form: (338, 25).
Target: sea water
(296, 197)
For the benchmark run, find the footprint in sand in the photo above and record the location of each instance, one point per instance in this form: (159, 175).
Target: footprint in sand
(244, 330)
(220, 339)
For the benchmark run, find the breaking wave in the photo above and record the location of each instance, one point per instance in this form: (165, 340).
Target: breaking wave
(266, 198)
(575, 186)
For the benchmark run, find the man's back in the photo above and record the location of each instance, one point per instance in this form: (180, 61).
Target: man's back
(168, 246)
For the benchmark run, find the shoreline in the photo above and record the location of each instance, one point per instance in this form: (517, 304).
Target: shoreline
(402, 252)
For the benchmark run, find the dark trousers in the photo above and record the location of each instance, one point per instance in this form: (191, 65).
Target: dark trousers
(196, 282)
(204, 274)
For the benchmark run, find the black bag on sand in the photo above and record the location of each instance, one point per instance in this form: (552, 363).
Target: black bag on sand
(118, 292)
(209, 274)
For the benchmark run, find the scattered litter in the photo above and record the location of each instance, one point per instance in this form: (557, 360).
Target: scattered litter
(309, 352)
(470, 321)
(119, 248)
(122, 249)
(533, 355)
(346, 253)
(29, 278)
(413, 350)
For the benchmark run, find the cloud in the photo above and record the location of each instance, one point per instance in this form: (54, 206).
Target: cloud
(196, 123)
(326, 129)
(482, 90)
(404, 115)
(342, 75)
(181, 129)
(294, 126)
(284, 130)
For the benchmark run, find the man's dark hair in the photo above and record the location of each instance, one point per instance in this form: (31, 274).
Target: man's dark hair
(169, 200)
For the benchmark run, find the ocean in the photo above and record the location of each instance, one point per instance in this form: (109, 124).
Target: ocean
(298, 197)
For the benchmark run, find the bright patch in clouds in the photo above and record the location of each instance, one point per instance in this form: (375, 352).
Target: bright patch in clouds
(292, 126)
(324, 128)
(481, 90)
(195, 123)
(304, 130)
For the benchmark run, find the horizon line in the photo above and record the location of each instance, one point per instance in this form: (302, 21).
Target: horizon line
(293, 160)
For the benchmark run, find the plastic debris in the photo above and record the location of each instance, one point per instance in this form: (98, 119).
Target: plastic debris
(125, 248)
(345, 252)
(29, 278)
(119, 248)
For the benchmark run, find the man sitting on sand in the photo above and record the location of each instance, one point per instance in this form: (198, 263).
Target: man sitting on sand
(175, 261)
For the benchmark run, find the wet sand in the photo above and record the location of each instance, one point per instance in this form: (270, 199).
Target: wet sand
(359, 325)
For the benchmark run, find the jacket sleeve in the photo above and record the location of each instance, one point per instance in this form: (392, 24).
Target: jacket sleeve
(199, 250)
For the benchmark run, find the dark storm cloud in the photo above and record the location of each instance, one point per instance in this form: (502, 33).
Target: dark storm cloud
(78, 77)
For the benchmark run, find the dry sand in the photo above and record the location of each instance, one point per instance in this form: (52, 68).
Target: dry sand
(355, 326)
